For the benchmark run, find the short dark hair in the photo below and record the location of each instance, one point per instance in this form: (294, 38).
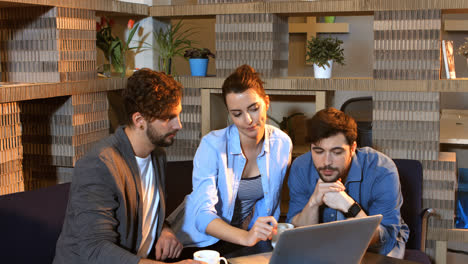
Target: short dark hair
(151, 93)
(242, 79)
(330, 122)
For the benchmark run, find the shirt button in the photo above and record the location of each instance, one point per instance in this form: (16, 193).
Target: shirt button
(268, 210)
(266, 192)
(332, 215)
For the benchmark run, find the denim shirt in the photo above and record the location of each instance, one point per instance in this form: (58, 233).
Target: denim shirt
(217, 171)
(372, 181)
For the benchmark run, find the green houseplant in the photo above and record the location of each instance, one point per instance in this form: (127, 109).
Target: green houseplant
(198, 59)
(322, 52)
(463, 50)
(113, 47)
(171, 42)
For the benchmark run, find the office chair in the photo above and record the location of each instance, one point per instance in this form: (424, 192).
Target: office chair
(178, 183)
(411, 180)
(30, 224)
(360, 108)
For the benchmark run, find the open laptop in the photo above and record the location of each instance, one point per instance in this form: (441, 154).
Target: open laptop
(335, 242)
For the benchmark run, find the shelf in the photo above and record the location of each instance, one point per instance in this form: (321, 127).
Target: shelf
(456, 25)
(100, 5)
(340, 84)
(285, 7)
(31, 91)
(301, 7)
(454, 126)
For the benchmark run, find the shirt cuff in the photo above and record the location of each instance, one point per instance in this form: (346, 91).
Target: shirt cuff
(203, 219)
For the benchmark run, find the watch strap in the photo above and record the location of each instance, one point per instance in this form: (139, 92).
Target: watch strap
(353, 210)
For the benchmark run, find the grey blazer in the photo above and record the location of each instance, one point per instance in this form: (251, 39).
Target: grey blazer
(104, 212)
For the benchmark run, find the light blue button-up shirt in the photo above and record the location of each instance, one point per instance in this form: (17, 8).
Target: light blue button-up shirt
(217, 171)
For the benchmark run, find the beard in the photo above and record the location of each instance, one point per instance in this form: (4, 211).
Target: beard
(160, 140)
(331, 178)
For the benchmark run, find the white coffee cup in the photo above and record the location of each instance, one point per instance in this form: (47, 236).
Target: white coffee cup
(209, 256)
(281, 228)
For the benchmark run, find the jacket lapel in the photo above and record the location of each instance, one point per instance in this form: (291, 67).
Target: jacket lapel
(159, 163)
(129, 155)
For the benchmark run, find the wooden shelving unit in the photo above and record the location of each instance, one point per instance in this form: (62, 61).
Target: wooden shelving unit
(456, 25)
(341, 84)
(81, 90)
(31, 91)
(303, 8)
(99, 5)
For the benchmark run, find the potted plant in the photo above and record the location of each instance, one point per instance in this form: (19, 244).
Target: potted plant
(463, 50)
(171, 42)
(114, 48)
(322, 52)
(198, 59)
(329, 19)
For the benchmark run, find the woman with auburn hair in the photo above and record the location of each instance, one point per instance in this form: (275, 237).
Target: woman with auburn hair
(238, 173)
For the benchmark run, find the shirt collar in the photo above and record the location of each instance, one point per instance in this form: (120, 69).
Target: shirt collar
(234, 141)
(355, 172)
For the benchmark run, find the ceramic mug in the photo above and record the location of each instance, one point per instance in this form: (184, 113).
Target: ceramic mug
(209, 256)
(281, 228)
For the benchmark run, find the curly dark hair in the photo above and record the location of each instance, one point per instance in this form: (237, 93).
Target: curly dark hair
(330, 122)
(151, 93)
(242, 79)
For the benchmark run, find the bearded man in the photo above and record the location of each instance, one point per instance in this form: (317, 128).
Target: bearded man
(336, 181)
(116, 209)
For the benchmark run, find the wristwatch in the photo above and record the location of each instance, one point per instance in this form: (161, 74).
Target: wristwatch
(353, 210)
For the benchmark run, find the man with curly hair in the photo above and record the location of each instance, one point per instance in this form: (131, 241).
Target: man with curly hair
(116, 209)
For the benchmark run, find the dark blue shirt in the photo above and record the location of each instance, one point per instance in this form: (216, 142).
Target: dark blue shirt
(372, 181)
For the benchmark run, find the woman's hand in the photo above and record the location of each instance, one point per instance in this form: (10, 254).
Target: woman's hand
(264, 228)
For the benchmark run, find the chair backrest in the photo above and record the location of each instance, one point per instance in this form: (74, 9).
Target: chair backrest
(178, 183)
(360, 108)
(30, 224)
(411, 181)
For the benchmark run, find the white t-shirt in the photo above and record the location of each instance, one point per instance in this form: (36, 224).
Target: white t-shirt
(150, 198)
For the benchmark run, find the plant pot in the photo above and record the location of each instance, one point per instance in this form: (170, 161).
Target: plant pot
(198, 67)
(321, 73)
(329, 19)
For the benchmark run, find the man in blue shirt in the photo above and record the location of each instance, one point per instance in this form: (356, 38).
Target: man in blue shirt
(336, 181)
